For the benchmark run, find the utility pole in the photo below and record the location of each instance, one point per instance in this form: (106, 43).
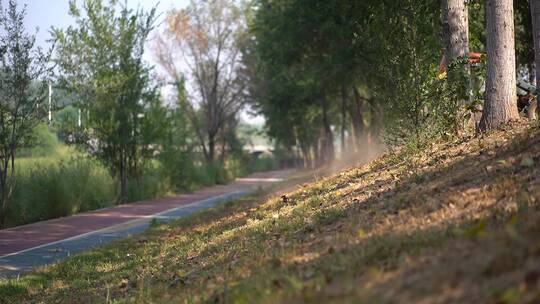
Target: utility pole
(50, 103)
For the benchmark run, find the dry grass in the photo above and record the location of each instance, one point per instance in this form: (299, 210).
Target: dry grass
(459, 223)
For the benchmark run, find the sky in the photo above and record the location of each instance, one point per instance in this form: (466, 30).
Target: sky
(44, 14)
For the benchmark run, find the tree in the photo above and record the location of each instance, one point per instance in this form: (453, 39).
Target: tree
(500, 104)
(524, 40)
(100, 60)
(455, 27)
(206, 38)
(535, 14)
(23, 85)
(455, 19)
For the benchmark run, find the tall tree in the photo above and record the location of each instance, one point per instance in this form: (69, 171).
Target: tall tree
(206, 39)
(535, 14)
(455, 28)
(23, 69)
(101, 60)
(524, 40)
(455, 19)
(500, 104)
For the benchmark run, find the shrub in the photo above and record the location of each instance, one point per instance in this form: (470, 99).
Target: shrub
(179, 168)
(264, 162)
(153, 183)
(214, 173)
(244, 164)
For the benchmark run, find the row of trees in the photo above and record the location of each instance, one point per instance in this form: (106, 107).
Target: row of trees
(320, 72)
(364, 68)
(127, 124)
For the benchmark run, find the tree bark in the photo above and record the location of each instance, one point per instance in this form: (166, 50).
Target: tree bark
(455, 19)
(343, 118)
(500, 104)
(455, 25)
(3, 193)
(535, 13)
(328, 144)
(123, 176)
(358, 120)
(211, 148)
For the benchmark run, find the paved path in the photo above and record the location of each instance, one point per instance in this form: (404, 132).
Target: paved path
(25, 247)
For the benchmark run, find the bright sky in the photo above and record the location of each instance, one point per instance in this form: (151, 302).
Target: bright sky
(43, 14)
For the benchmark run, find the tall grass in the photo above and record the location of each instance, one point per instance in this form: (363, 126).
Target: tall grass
(53, 180)
(55, 187)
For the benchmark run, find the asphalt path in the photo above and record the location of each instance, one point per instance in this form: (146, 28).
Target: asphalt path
(25, 247)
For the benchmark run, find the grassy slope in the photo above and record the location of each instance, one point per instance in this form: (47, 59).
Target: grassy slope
(459, 224)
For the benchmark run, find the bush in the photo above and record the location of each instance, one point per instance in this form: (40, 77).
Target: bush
(264, 162)
(245, 164)
(213, 173)
(153, 183)
(179, 168)
(43, 143)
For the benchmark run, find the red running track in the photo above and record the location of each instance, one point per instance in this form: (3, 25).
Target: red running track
(25, 237)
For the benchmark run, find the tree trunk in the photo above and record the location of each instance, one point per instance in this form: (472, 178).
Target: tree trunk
(343, 118)
(358, 120)
(455, 29)
(316, 148)
(328, 144)
(500, 104)
(532, 72)
(455, 25)
(535, 13)
(3, 197)
(305, 155)
(211, 148)
(123, 176)
(223, 149)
